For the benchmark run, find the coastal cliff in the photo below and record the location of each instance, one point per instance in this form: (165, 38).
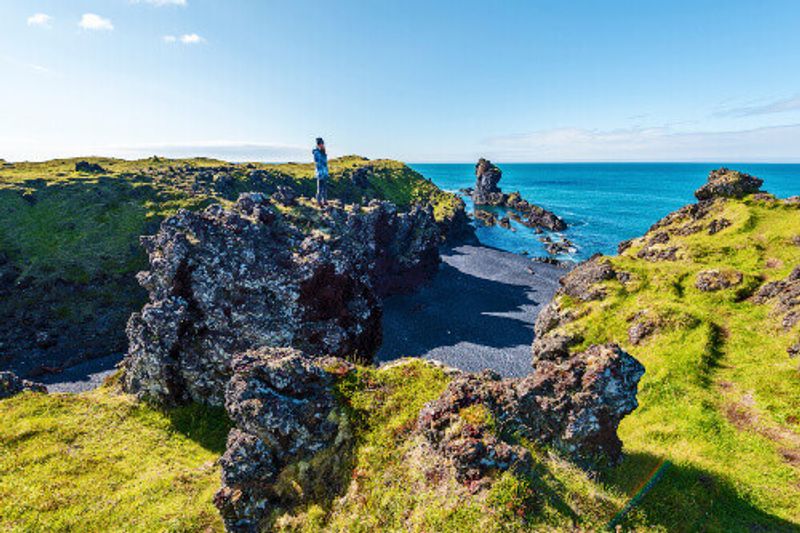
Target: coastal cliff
(662, 392)
(69, 237)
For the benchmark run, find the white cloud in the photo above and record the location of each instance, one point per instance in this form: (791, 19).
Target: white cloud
(187, 38)
(778, 106)
(161, 3)
(774, 143)
(41, 20)
(192, 38)
(90, 21)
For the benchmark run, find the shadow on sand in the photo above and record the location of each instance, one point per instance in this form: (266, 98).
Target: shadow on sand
(469, 321)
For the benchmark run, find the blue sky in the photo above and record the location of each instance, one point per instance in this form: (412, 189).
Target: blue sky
(414, 80)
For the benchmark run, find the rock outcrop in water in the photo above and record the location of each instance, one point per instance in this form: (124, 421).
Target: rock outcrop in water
(487, 192)
(226, 281)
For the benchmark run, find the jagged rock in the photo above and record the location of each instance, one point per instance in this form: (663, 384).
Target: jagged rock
(718, 225)
(284, 195)
(655, 254)
(725, 183)
(688, 214)
(290, 439)
(487, 177)
(574, 405)
(717, 280)
(581, 282)
(486, 192)
(11, 384)
(486, 217)
(224, 183)
(552, 348)
(794, 350)
(560, 247)
(785, 297)
(222, 282)
(92, 168)
(641, 330)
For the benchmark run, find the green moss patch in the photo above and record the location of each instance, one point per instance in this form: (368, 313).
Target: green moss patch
(102, 462)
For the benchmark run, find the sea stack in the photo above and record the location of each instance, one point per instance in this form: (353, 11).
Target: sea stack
(487, 192)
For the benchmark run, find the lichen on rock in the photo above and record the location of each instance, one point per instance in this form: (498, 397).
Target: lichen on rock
(574, 405)
(291, 439)
(225, 281)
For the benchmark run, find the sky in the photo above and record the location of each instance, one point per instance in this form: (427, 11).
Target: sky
(419, 81)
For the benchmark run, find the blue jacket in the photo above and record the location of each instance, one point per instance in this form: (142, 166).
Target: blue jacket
(321, 162)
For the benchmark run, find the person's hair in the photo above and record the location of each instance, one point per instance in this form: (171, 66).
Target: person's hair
(322, 142)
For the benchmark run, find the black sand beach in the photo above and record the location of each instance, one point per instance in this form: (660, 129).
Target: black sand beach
(477, 313)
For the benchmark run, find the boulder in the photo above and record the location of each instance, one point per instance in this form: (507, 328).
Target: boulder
(290, 439)
(487, 218)
(784, 295)
(717, 225)
(716, 280)
(225, 281)
(581, 282)
(284, 195)
(11, 384)
(574, 405)
(640, 330)
(726, 183)
(91, 168)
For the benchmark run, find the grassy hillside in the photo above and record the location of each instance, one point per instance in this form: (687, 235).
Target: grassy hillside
(69, 240)
(721, 397)
(99, 461)
(715, 442)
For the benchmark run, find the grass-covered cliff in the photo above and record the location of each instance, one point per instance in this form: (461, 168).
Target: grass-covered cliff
(721, 397)
(706, 301)
(69, 239)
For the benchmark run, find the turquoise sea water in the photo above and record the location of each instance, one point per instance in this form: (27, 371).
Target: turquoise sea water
(603, 203)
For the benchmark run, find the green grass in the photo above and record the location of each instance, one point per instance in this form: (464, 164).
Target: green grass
(56, 223)
(100, 461)
(721, 397)
(393, 486)
(70, 240)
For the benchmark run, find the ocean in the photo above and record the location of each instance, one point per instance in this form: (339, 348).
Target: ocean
(602, 203)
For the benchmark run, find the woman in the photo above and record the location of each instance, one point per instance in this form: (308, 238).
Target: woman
(321, 163)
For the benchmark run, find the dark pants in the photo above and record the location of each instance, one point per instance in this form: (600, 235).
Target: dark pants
(322, 190)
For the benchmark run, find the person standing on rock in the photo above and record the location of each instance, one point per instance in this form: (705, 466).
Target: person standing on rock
(321, 163)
